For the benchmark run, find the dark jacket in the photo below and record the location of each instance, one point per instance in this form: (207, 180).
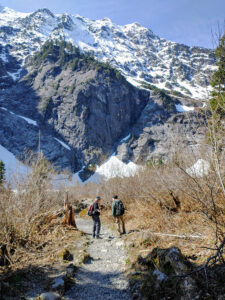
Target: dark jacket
(114, 204)
(95, 209)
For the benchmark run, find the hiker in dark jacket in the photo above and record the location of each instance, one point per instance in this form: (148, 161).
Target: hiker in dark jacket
(118, 212)
(96, 218)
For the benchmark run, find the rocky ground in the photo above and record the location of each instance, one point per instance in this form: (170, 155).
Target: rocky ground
(102, 276)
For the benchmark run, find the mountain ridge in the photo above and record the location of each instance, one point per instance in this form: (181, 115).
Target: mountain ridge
(140, 55)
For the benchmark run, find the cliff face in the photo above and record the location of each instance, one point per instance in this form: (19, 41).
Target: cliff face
(89, 106)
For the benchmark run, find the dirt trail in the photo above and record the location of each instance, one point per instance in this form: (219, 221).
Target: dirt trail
(102, 277)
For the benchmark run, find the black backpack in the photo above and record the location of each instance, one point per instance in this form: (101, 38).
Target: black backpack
(119, 208)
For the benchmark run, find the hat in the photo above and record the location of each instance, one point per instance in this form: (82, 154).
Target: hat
(98, 198)
(115, 197)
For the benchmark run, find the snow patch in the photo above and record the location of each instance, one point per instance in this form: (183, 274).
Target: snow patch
(125, 139)
(28, 120)
(113, 167)
(63, 144)
(199, 169)
(183, 108)
(16, 75)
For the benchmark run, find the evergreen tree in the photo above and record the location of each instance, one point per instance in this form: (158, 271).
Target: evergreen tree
(2, 172)
(217, 101)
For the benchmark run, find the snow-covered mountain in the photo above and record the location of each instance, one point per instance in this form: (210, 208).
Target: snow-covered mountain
(141, 56)
(77, 107)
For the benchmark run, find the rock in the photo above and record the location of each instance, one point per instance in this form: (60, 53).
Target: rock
(49, 296)
(58, 283)
(70, 271)
(163, 265)
(135, 296)
(120, 244)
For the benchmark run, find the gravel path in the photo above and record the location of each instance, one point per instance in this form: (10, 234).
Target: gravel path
(102, 277)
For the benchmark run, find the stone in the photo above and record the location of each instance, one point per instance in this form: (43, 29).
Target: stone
(70, 271)
(58, 283)
(49, 296)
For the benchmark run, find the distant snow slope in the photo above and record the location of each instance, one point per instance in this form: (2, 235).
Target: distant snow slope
(133, 49)
(12, 165)
(113, 167)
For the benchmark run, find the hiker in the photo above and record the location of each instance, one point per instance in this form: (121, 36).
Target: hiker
(96, 218)
(118, 212)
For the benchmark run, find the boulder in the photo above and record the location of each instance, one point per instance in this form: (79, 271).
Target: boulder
(162, 268)
(49, 296)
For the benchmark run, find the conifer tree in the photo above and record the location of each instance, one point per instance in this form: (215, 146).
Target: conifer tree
(2, 172)
(217, 101)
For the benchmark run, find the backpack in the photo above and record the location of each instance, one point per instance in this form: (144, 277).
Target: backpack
(90, 210)
(119, 208)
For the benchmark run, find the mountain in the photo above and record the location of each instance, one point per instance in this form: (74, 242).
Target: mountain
(83, 85)
(140, 55)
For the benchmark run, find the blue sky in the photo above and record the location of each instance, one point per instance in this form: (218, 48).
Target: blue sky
(186, 21)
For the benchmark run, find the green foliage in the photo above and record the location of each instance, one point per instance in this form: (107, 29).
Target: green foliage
(168, 102)
(217, 102)
(64, 53)
(2, 172)
(44, 104)
(72, 88)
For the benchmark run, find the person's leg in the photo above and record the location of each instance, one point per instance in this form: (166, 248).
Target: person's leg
(123, 224)
(98, 223)
(94, 226)
(118, 224)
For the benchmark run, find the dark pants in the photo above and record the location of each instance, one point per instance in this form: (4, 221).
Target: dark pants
(96, 225)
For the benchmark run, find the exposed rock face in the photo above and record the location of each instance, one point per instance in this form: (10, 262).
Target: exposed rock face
(161, 130)
(89, 108)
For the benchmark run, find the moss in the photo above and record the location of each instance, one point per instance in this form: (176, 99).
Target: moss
(86, 257)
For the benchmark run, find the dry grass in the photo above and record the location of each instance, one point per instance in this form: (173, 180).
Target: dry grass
(33, 235)
(150, 200)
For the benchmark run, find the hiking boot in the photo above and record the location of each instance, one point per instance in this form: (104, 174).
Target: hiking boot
(98, 237)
